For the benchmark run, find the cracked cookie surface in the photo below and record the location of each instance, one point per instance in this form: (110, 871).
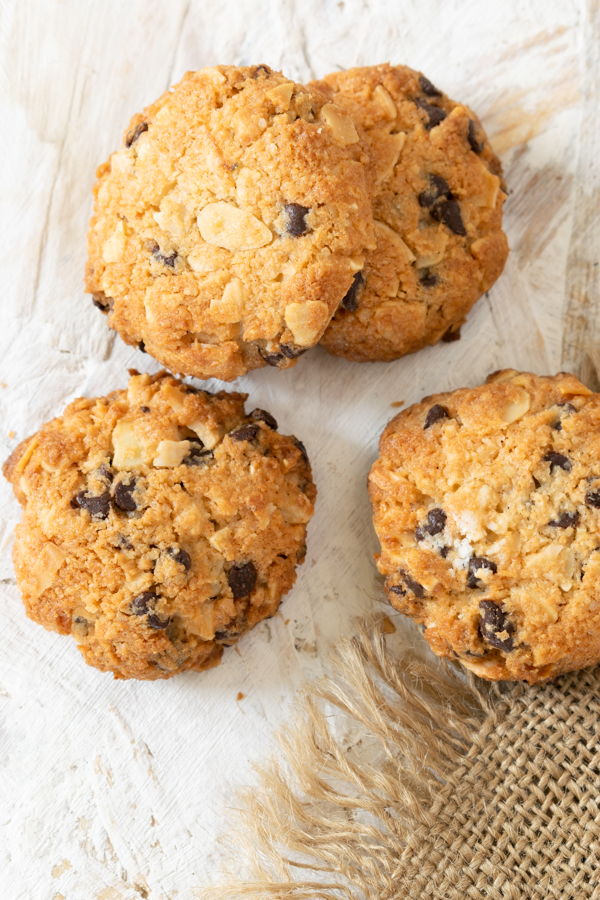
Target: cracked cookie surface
(438, 203)
(231, 223)
(486, 503)
(159, 524)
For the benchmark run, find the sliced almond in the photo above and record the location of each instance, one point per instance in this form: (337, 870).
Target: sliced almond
(569, 384)
(282, 94)
(487, 195)
(342, 126)
(45, 569)
(307, 321)
(386, 233)
(170, 453)
(517, 407)
(389, 148)
(128, 450)
(224, 225)
(385, 100)
(114, 247)
(209, 434)
(227, 308)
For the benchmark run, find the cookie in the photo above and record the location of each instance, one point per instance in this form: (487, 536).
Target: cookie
(486, 502)
(438, 202)
(159, 524)
(231, 223)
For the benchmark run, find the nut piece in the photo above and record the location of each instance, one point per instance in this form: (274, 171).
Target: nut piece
(210, 436)
(517, 407)
(227, 308)
(385, 100)
(342, 126)
(170, 453)
(490, 185)
(128, 451)
(307, 321)
(386, 233)
(45, 570)
(224, 225)
(114, 248)
(389, 148)
(282, 94)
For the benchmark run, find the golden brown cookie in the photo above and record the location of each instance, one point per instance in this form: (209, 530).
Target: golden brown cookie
(438, 214)
(159, 524)
(231, 223)
(486, 502)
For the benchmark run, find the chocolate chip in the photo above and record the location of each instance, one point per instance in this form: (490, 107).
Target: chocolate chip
(493, 624)
(566, 410)
(157, 623)
(197, 455)
(438, 189)
(351, 300)
(134, 134)
(444, 552)
(428, 279)
(142, 347)
(144, 602)
(428, 88)
(412, 585)
(398, 590)
(102, 302)
(245, 433)
(434, 415)
(565, 520)
(180, 556)
(145, 409)
(295, 219)
(434, 114)
(241, 579)
(123, 543)
(449, 336)
(272, 359)
(159, 256)
(472, 136)
(557, 460)
(262, 415)
(122, 495)
(98, 507)
(292, 352)
(476, 563)
(433, 524)
(448, 212)
(105, 472)
(300, 447)
(592, 498)
(261, 70)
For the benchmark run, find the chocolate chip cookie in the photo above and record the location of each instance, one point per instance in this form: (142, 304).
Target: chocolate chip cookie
(487, 505)
(159, 524)
(438, 214)
(231, 223)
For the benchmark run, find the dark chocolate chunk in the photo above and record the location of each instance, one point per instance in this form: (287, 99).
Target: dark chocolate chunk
(197, 455)
(476, 563)
(101, 301)
(428, 88)
(272, 359)
(412, 585)
(134, 134)
(557, 460)
(433, 524)
(295, 219)
(245, 433)
(98, 507)
(154, 621)
(159, 256)
(180, 556)
(144, 602)
(105, 472)
(428, 278)
(351, 300)
(122, 496)
(566, 409)
(241, 579)
(473, 137)
(449, 336)
(448, 212)
(261, 70)
(145, 409)
(444, 552)
(565, 520)
(398, 590)
(301, 448)
(434, 114)
(493, 624)
(262, 415)
(123, 543)
(142, 347)
(438, 189)
(434, 415)
(592, 498)
(292, 352)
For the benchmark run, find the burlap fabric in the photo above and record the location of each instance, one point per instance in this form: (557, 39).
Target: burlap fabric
(403, 778)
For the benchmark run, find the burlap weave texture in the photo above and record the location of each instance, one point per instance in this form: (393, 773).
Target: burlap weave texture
(402, 778)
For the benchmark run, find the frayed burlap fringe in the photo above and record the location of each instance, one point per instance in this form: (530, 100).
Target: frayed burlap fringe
(402, 777)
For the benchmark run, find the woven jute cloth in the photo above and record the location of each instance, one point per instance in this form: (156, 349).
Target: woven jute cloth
(401, 777)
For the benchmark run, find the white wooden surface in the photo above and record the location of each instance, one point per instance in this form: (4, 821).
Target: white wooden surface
(114, 791)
